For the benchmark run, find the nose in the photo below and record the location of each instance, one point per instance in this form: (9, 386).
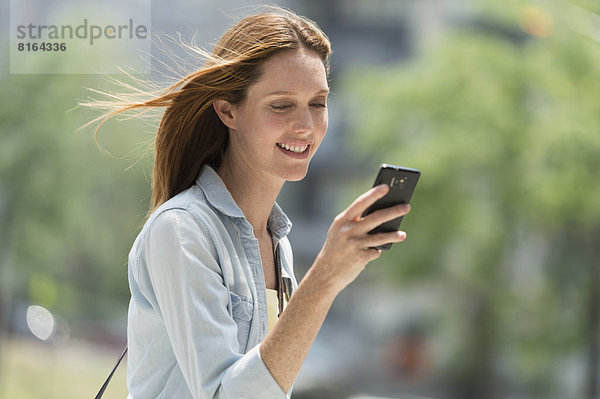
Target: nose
(303, 121)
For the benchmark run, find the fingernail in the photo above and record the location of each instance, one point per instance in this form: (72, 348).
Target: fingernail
(403, 207)
(382, 187)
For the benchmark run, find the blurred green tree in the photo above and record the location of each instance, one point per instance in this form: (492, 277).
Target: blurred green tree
(502, 116)
(68, 212)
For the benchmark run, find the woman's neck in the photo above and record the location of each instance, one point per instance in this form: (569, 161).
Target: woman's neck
(255, 195)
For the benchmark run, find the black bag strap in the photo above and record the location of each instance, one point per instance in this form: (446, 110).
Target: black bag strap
(279, 276)
(101, 392)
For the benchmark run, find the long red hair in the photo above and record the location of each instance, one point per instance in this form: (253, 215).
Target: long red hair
(190, 133)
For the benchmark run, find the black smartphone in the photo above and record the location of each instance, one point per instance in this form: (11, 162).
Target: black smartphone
(402, 182)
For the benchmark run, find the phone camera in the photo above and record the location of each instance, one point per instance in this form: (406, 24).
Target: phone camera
(398, 182)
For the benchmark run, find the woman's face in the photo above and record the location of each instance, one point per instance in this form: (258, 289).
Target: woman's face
(277, 129)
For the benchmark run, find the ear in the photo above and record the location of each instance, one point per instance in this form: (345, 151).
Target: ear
(224, 110)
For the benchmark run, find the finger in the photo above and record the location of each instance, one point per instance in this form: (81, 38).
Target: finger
(363, 202)
(375, 240)
(380, 216)
(371, 254)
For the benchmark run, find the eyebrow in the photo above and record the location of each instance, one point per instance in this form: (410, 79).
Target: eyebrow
(284, 92)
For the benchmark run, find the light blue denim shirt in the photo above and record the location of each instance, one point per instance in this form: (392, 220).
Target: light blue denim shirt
(198, 308)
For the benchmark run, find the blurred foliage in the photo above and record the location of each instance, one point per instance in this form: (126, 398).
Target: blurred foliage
(502, 115)
(68, 211)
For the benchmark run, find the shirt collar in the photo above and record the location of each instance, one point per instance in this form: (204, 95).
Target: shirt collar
(279, 223)
(220, 198)
(216, 192)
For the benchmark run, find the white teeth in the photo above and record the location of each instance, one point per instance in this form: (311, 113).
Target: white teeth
(293, 148)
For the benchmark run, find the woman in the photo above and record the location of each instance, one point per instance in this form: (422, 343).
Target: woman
(215, 309)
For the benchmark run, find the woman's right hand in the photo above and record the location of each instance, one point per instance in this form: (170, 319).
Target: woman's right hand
(345, 253)
(348, 247)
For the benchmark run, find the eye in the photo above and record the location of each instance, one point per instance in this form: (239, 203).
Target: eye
(280, 107)
(319, 102)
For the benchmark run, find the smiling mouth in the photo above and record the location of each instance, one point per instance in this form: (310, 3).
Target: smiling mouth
(293, 148)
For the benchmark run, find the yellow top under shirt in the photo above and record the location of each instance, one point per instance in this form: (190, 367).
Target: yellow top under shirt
(273, 306)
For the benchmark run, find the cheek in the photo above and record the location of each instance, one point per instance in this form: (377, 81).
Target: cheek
(274, 123)
(272, 127)
(321, 124)
(258, 127)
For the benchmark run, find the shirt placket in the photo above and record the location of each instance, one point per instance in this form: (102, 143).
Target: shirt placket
(252, 252)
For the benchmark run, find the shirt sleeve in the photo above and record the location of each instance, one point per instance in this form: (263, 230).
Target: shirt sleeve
(186, 281)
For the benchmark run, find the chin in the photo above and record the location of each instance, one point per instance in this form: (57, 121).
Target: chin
(295, 175)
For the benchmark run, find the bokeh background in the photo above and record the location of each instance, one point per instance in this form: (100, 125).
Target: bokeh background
(496, 291)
